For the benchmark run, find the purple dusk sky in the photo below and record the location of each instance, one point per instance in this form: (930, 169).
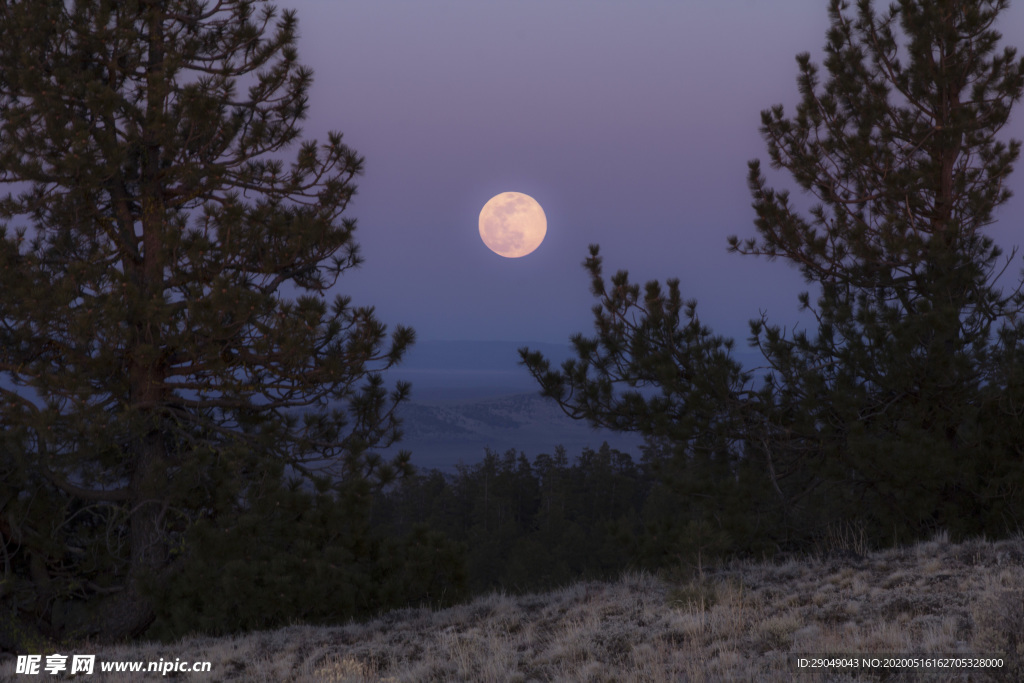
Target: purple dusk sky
(631, 124)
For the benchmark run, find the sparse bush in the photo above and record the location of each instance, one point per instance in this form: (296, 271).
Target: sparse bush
(699, 594)
(843, 539)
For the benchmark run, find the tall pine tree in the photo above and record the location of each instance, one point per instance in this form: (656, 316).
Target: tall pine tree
(902, 409)
(878, 413)
(166, 348)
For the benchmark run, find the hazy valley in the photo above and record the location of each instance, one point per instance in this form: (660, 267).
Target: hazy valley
(468, 396)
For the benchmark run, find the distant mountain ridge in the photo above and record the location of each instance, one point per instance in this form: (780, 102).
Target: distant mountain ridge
(476, 355)
(461, 370)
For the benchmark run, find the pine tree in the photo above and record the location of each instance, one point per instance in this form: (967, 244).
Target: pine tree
(877, 412)
(902, 408)
(655, 369)
(166, 347)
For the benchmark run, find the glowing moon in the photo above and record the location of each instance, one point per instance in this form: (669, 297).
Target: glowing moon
(512, 224)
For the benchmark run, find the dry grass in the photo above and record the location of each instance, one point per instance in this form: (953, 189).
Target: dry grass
(743, 621)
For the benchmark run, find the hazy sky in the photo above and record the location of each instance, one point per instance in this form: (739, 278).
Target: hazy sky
(630, 122)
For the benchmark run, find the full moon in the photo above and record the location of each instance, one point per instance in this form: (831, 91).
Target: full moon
(512, 224)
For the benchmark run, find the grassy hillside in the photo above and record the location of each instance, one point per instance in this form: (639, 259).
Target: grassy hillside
(742, 621)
